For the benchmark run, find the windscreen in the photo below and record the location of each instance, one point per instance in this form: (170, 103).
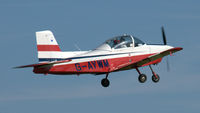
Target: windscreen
(120, 42)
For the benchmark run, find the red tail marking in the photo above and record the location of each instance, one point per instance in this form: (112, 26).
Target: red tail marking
(48, 48)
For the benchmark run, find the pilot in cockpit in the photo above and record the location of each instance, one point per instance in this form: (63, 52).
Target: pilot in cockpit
(122, 40)
(116, 42)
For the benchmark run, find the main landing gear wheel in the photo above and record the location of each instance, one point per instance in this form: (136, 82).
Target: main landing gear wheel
(105, 82)
(155, 78)
(142, 78)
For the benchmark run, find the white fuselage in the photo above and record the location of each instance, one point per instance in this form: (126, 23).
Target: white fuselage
(85, 56)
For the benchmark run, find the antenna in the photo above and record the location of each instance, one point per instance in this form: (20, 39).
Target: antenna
(77, 47)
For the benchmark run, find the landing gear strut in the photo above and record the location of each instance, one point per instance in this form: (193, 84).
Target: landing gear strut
(142, 77)
(105, 82)
(155, 77)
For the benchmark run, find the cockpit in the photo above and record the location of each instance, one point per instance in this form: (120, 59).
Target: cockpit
(119, 42)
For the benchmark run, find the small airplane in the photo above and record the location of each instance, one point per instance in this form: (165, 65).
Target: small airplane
(116, 54)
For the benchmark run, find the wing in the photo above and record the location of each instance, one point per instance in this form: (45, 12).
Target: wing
(43, 64)
(146, 60)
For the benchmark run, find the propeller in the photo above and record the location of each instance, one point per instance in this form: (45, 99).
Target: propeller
(165, 43)
(168, 65)
(164, 37)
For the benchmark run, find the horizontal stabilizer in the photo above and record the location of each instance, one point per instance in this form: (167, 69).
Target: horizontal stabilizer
(43, 64)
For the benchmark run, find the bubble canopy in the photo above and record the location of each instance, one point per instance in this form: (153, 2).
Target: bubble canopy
(119, 42)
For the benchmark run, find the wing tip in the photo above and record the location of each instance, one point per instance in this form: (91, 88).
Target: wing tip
(177, 48)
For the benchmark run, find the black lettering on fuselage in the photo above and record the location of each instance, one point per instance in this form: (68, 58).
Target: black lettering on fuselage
(89, 66)
(100, 64)
(78, 67)
(105, 62)
(94, 64)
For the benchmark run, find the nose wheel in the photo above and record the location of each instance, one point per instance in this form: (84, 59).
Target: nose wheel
(155, 79)
(105, 82)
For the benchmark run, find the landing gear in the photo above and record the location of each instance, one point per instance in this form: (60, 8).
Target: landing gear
(142, 77)
(155, 77)
(105, 82)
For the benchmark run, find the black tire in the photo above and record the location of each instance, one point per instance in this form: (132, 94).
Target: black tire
(105, 82)
(142, 78)
(155, 79)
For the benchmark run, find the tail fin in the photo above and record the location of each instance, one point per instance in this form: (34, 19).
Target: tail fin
(46, 41)
(47, 46)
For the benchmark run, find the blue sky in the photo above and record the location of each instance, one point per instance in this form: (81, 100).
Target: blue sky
(88, 23)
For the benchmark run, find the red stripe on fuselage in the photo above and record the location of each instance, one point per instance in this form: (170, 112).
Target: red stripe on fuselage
(97, 66)
(48, 48)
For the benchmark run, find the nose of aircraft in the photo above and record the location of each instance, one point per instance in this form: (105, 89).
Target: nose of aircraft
(168, 47)
(159, 48)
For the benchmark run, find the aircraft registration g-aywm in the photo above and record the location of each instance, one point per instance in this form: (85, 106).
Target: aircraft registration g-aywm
(116, 54)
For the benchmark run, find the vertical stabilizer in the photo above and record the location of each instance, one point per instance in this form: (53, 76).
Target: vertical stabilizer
(46, 41)
(47, 46)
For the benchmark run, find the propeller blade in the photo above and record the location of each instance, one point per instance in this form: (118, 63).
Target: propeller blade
(164, 37)
(165, 43)
(168, 65)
